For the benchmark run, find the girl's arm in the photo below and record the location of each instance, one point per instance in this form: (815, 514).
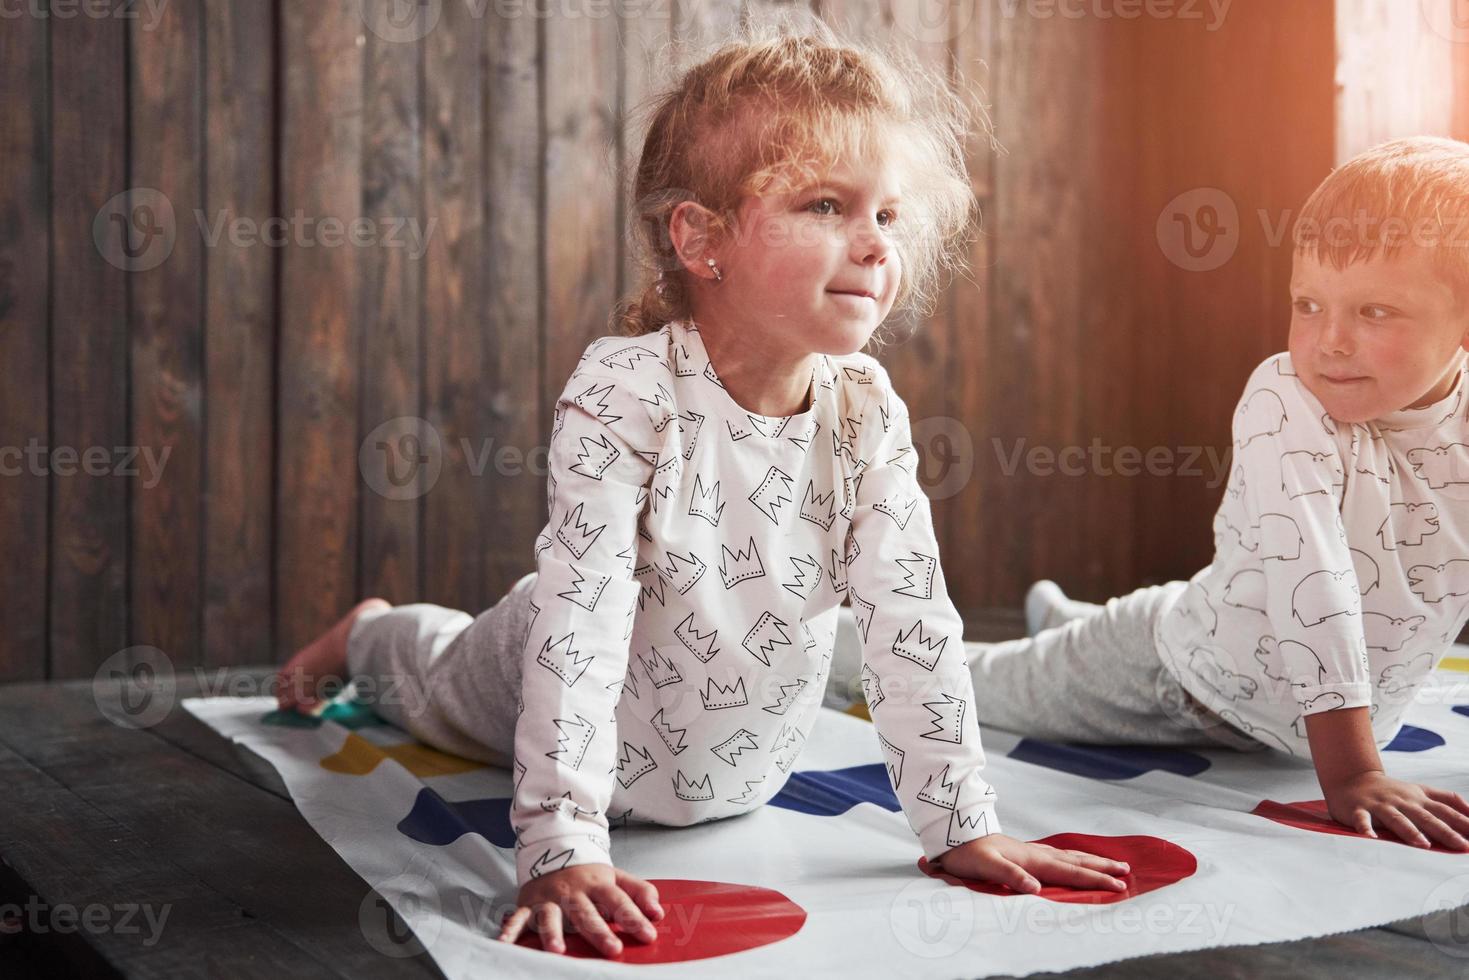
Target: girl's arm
(916, 678)
(576, 648)
(917, 682)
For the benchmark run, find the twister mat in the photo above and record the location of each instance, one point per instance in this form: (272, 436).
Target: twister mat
(1226, 849)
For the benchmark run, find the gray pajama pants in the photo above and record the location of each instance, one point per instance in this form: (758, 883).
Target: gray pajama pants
(450, 679)
(1097, 679)
(453, 680)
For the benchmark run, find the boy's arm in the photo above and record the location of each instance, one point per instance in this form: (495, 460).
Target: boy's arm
(1312, 652)
(576, 647)
(1358, 792)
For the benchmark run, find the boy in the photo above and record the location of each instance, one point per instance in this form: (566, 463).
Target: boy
(1341, 567)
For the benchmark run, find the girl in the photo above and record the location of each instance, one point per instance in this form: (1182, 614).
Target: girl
(721, 476)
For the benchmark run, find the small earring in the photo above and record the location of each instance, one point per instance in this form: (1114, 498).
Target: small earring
(718, 276)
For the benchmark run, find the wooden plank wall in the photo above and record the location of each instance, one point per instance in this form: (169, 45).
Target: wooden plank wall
(1199, 330)
(278, 377)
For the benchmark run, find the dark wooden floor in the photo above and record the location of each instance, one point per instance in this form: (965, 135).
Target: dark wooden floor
(173, 816)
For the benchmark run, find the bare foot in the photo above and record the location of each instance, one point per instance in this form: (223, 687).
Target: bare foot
(298, 682)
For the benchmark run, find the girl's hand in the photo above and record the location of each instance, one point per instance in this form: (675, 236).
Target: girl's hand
(588, 895)
(1023, 866)
(1409, 810)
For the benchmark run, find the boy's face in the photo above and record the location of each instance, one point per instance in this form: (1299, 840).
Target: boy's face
(798, 261)
(1378, 336)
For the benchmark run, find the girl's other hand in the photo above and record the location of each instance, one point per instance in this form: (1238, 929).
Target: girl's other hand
(587, 897)
(1024, 866)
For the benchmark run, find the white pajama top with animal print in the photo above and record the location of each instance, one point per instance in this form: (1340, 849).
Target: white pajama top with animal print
(1341, 565)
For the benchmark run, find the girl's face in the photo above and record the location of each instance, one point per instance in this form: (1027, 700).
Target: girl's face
(816, 270)
(1378, 336)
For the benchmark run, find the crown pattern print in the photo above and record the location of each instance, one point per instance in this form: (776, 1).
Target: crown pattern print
(688, 574)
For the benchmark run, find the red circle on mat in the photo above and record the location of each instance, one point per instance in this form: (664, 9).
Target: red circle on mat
(1154, 863)
(1313, 815)
(700, 919)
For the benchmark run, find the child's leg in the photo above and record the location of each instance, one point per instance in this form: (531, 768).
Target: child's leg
(1096, 679)
(1047, 607)
(449, 679)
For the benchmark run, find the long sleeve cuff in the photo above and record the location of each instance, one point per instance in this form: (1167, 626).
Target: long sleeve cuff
(554, 853)
(959, 826)
(1330, 697)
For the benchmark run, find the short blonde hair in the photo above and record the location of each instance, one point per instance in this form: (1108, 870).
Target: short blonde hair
(1406, 193)
(766, 114)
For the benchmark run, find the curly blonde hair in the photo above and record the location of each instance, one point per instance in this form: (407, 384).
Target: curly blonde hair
(772, 111)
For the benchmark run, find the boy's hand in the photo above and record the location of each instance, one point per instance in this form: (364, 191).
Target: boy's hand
(1024, 866)
(1407, 809)
(588, 895)
(1357, 791)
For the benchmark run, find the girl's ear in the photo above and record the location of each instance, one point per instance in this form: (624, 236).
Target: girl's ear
(689, 229)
